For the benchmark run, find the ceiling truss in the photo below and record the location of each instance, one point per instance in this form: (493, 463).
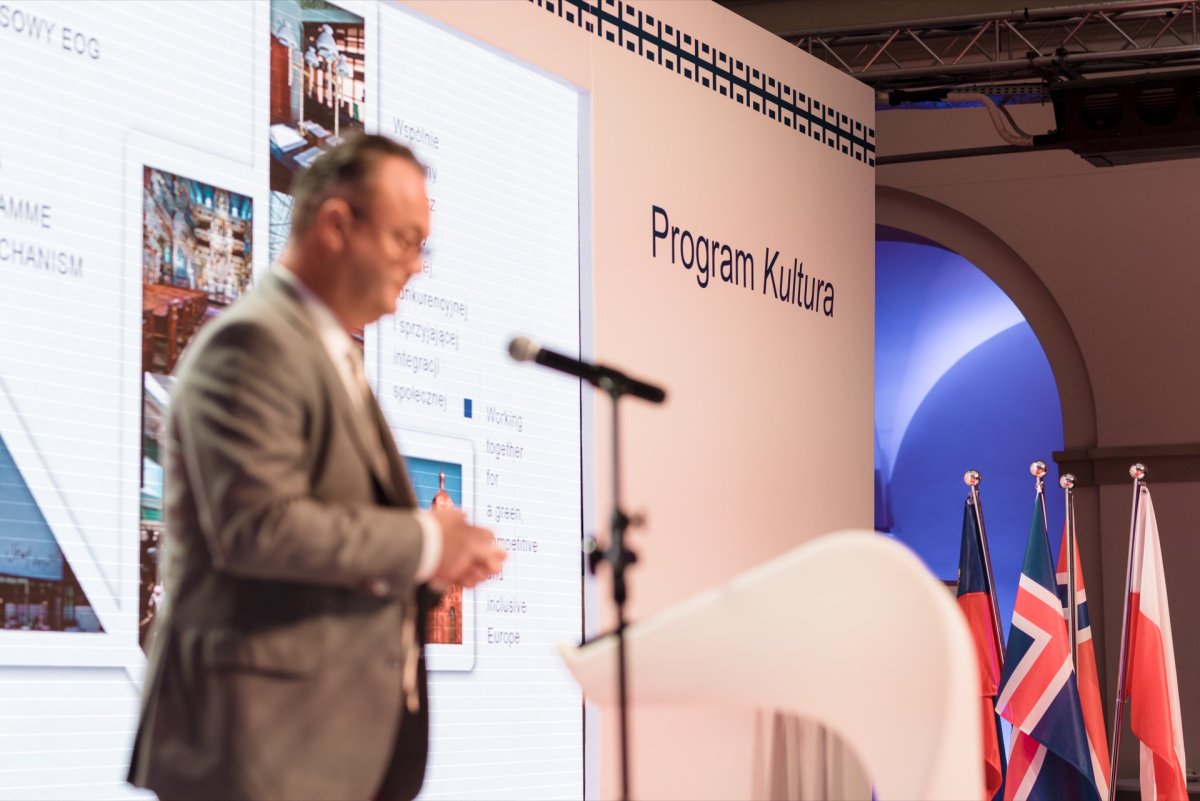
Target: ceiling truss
(1045, 45)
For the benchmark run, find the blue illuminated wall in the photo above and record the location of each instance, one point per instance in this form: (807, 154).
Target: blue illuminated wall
(961, 382)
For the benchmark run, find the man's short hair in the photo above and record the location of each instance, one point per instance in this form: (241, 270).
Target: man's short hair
(342, 171)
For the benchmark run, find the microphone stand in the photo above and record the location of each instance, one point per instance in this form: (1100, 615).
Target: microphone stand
(619, 556)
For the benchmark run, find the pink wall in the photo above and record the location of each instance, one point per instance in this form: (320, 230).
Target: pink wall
(765, 440)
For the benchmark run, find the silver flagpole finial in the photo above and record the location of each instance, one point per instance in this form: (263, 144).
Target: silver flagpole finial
(972, 478)
(1137, 471)
(1038, 469)
(1067, 481)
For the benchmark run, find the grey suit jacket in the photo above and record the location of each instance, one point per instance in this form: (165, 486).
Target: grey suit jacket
(291, 548)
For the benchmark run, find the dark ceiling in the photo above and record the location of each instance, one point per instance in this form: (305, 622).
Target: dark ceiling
(787, 16)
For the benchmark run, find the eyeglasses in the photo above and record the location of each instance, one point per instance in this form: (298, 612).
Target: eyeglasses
(409, 245)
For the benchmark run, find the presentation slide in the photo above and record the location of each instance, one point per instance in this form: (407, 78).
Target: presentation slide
(146, 157)
(658, 185)
(500, 440)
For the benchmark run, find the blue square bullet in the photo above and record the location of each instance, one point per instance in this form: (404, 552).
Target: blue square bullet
(466, 407)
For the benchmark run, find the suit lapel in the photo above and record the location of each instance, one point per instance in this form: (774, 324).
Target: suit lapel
(281, 296)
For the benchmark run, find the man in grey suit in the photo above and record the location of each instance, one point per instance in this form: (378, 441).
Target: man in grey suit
(286, 664)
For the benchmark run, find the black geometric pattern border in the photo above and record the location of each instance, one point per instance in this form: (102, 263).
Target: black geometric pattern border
(624, 25)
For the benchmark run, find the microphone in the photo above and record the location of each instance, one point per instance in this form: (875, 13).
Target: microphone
(524, 349)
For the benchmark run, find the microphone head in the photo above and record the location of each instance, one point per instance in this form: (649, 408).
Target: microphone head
(523, 349)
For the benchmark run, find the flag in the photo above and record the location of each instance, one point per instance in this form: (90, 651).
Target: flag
(1038, 693)
(1085, 666)
(1152, 685)
(975, 601)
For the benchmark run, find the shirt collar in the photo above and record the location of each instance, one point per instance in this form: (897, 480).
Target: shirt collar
(328, 327)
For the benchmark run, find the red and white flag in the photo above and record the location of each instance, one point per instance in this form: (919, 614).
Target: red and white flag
(1153, 688)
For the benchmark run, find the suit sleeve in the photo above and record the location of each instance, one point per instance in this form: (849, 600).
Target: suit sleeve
(240, 421)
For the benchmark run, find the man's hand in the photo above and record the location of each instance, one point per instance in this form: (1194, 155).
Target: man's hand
(469, 553)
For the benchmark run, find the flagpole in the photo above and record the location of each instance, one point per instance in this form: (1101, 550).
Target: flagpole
(1138, 473)
(972, 478)
(1067, 482)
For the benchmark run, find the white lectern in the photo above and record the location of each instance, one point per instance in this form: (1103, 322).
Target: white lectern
(861, 638)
